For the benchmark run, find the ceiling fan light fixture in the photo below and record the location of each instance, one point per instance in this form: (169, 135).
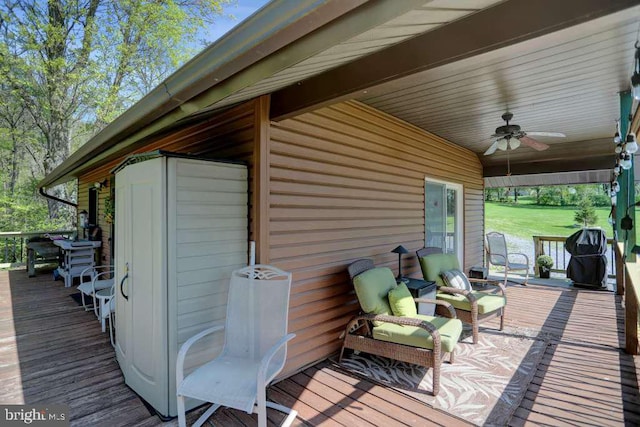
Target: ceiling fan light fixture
(616, 138)
(618, 149)
(514, 143)
(502, 144)
(631, 145)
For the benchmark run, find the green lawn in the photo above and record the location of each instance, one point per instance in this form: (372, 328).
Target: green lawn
(526, 220)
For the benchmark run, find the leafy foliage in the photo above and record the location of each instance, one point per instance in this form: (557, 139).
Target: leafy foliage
(586, 214)
(69, 67)
(544, 261)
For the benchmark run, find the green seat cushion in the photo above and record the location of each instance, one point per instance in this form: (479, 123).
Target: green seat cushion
(486, 302)
(450, 330)
(372, 288)
(401, 301)
(435, 264)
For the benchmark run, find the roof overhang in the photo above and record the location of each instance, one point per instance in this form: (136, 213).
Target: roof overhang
(274, 27)
(310, 53)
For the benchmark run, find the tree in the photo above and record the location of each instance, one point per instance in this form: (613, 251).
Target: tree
(586, 214)
(70, 63)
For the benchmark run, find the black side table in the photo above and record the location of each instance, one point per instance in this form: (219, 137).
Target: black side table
(422, 289)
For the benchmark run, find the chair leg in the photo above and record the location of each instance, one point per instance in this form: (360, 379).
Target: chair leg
(436, 376)
(95, 306)
(502, 320)
(474, 327)
(451, 356)
(204, 417)
(341, 354)
(182, 417)
(261, 407)
(292, 413)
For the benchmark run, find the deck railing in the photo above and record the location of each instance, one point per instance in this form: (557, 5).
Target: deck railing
(628, 280)
(13, 244)
(554, 247)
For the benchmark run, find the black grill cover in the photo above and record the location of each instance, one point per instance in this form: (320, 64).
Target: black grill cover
(588, 264)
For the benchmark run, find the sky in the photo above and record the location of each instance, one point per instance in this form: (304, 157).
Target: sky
(241, 10)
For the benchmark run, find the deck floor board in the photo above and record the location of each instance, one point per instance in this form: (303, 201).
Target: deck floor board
(51, 351)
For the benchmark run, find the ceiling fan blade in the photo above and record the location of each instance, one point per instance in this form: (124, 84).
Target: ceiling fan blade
(536, 145)
(491, 149)
(503, 144)
(514, 143)
(551, 134)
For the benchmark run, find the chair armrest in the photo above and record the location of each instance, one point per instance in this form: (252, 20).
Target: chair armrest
(185, 348)
(404, 321)
(86, 272)
(455, 291)
(496, 283)
(450, 310)
(521, 255)
(266, 361)
(505, 258)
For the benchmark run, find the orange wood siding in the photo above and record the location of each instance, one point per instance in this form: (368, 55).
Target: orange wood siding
(229, 135)
(347, 182)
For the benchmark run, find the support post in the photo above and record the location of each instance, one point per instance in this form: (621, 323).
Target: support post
(261, 177)
(626, 196)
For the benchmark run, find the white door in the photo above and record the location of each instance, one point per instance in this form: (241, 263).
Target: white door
(141, 322)
(443, 217)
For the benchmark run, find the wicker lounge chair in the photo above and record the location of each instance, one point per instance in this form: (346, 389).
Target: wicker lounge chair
(473, 307)
(422, 340)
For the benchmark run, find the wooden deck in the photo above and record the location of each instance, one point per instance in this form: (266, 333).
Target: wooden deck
(51, 351)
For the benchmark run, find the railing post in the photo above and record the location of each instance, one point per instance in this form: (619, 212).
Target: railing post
(620, 275)
(630, 317)
(537, 251)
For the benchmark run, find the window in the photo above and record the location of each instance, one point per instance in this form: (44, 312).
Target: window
(93, 207)
(443, 217)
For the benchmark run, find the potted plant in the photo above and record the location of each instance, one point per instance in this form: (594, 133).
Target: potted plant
(544, 263)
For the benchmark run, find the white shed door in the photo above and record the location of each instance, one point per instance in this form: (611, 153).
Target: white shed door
(141, 304)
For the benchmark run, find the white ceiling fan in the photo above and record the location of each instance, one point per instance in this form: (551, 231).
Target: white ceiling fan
(510, 136)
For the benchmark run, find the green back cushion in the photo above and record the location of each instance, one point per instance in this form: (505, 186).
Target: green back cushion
(372, 288)
(434, 265)
(401, 301)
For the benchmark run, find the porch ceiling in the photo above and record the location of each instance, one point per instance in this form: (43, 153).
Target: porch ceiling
(567, 81)
(451, 67)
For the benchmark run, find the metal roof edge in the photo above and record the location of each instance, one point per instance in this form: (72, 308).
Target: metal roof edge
(272, 27)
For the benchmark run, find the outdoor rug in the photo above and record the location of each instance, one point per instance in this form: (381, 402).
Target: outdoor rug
(77, 297)
(484, 386)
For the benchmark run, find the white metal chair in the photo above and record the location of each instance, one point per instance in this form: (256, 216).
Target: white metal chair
(106, 308)
(254, 351)
(499, 256)
(98, 280)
